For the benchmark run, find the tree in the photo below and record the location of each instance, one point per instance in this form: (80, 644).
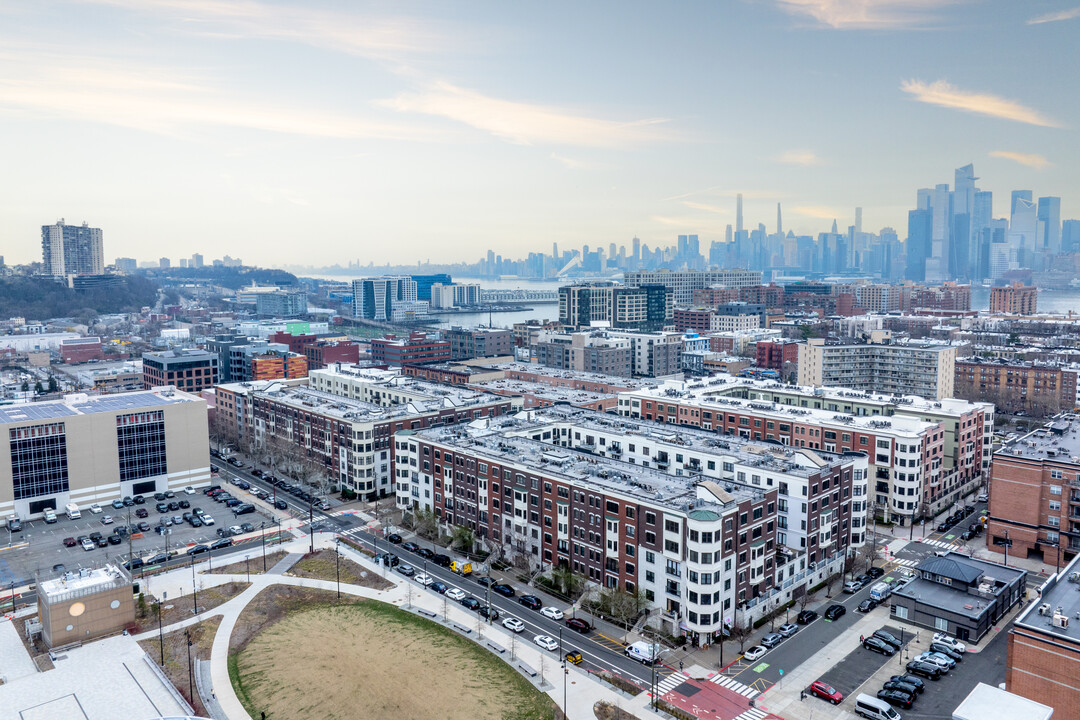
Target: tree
(568, 582)
(851, 561)
(38, 389)
(740, 633)
(26, 386)
(462, 538)
(53, 385)
(425, 523)
(142, 605)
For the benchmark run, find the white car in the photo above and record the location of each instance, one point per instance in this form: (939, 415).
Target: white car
(88, 544)
(546, 641)
(455, 594)
(551, 612)
(106, 520)
(982, 497)
(206, 519)
(953, 644)
(513, 624)
(424, 580)
(189, 490)
(755, 653)
(95, 508)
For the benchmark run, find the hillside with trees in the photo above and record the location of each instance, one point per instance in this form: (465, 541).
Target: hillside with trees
(36, 298)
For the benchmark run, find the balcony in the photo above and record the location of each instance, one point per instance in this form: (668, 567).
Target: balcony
(615, 450)
(661, 461)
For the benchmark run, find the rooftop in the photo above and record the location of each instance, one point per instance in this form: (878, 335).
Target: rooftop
(994, 578)
(648, 484)
(1060, 593)
(580, 376)
(709, 393)
(987, 701)
(85, 582)
(792, 461)
(1058, 440)
(81, 404)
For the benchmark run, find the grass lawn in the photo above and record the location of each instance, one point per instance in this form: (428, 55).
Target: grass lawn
(295, 657)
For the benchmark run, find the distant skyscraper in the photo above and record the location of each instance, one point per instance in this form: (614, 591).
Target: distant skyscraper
(779, 221)
(554, 249)
(920, 223)
(738, 213)
(1049, 225)
(1023, 224)
(164, 263)
(1070, 236)
(728, 234)
(196, 261)
(72, 249)
(834, 228)
(858, 220)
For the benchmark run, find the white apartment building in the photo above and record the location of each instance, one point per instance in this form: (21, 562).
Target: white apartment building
(684, 282)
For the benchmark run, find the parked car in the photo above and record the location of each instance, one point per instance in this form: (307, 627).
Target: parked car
(185, 504)
(788, 629)
(281, 504)
(222, 543)
(755, 652)
(393, 538)
(833, 612)
(424, 579)
(470, 603)
(410, 546)
(953, 644)
(198, 549)
(69, 542)
(115, 539)
(503, 589)
(546, 641)
(941, 659)
(875, 572)
(578, 625)
(95, 508)
(878, 645)
(485, 580)
(406, 570)
(206, 519)
(142, 512)
(772, 640)
(106, 520)
(530, 601)
(244, 509)
(901, 686)
(88, 544)
(909, 680)
(441, 560)
(867, 605)
(946, 651)
(889, 638)
(133, 563)
(425, 553)
(895, 697)
(826, 691)
(513, 624)
(455, 594)
(387, 559)
(162, 507)
(144, 526)
(158, 559)
(852, 586)
(118, 504)
(806, 617)
(439, 587)
(488, 610)
(982, 497)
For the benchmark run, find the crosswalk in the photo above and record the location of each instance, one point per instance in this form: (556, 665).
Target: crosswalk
(752, 714)
(937, 543)
(671, 682)
(907, 562)
(734, 685)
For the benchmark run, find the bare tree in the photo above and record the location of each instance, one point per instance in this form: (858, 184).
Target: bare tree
(740, 632)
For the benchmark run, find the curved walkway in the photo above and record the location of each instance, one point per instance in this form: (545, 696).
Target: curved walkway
(582, 690)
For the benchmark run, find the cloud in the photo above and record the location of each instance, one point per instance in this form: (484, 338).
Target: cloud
(162, 101)
(370, 36)
(571, 163)
(798, 157)
(1058, 16)
(946, 95)
(821, 212)
(524, 123)
(866, 14)
(706, 207)
(1030, 159)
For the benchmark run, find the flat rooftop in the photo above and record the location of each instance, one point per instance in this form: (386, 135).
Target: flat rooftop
(1061, 591)
(552, 393)
(709, 394)
(956, 599)
(80, 404)
(83, 582)
(987, 701)
(1057, 440)
(544, 371)
(792, 461)
(646, 484)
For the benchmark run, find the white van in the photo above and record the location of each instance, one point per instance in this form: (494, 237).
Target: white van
(73, 511)
(643, 652)
(870, 707)
(49, 515)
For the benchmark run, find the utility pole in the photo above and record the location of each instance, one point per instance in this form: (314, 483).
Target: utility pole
(194, 586)
(191, 685)
(262, 541)
(161, 635)
(337, 564)
(129, 537)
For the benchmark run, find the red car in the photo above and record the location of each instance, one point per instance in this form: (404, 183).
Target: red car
(826, 691)
(578, 624)
(69, 542)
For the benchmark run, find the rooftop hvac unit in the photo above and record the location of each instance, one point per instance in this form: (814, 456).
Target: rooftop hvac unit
(1061, 621)
(1044, 609)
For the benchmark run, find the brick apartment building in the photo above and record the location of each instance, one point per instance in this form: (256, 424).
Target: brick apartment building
(1014, 386)
(81, 350)
(776, 354)
(417, 348)
(1035, 494)
(1015, 299)
(190, 370)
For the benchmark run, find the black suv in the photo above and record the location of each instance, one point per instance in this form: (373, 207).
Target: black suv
(888, 638)
(441, 560)
(531, 601)
(927, 670)
(806, 617)
(834, 612)
(470, 602)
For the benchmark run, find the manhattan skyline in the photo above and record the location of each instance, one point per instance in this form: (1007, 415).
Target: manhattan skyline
(316, 134)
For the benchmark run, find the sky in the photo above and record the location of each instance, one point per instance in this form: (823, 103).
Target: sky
(325, 132)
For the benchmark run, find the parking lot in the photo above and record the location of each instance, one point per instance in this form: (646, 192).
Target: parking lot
(45, 548)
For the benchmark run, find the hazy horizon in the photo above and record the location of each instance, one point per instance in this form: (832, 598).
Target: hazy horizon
(322, 133)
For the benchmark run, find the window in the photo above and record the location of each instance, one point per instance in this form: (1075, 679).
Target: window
(140, 441)
(941, 624)
(1055, 489)
(671, 526)
(900, 611)
(39, 460)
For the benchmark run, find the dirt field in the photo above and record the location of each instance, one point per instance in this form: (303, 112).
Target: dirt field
(181, 608)
(322, 566)
(399, 665)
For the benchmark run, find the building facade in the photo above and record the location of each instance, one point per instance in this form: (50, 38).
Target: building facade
(384, 298)
(282, 304)
(586, 352)
(85, 449)
(72, 250)
(685, 282)
(1037, 389)
(190, 370)
(468, 343)
(647, 307)
(417, 348)
(1015, 299)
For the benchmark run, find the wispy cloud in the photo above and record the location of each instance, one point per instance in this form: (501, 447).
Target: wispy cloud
(798, 157)
(365, 35)
(946, 95)
(866, 14)
(821, 212)
(571, 163)
(525, 123)
(1070, 14)
(162, 101)
(1030, 159)
(706, 207)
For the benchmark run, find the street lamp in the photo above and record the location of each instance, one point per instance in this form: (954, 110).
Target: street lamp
(191, 687)
(262, 541)
(337, 564)
(194, 586)
(161, 635)
(247, 567)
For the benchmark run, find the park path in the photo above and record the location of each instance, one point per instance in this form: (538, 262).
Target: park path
(581, 690)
